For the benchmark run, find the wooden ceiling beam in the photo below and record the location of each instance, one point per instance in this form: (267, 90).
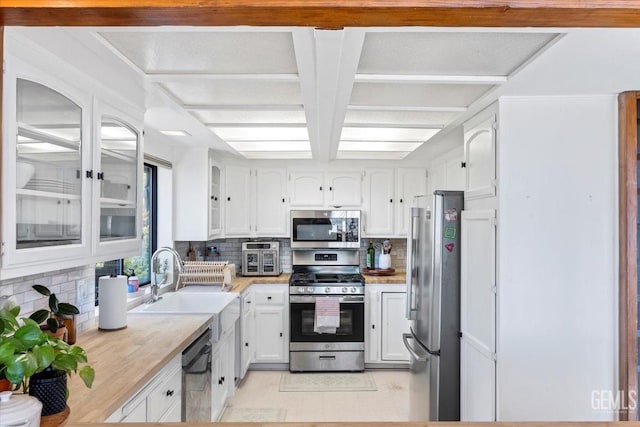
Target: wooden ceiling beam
(323, 13)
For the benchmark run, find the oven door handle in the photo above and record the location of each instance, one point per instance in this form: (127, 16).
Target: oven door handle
(355, 299)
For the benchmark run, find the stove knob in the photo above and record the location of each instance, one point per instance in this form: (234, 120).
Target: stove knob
(327, 290)
(310, 290)
(353, 290)
(344, 290)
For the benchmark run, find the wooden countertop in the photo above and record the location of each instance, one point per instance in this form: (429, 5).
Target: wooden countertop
(241, 283)
(399, 277)
(127, 359)
(381, 424)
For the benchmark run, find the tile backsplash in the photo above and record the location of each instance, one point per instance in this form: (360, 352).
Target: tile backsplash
(231, 250)
(73, 285)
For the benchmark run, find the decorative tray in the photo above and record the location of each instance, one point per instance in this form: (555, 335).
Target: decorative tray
(378, 272)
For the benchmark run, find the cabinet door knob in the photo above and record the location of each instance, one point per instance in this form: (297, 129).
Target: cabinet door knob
(390, 200)
(222, 379)
(215, 198)
(463, 164)
(169, 392)
(400, 200)
(320, 188)
(283, 200)
(228, 199)
(246, 344)
(89, 174)
(268, 297)
(280, 333)
(59, 201)
(373, 326)
(219, 381)
(100, 176)
(330, 188)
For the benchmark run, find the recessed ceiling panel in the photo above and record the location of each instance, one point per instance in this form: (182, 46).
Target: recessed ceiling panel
(372, 155)
(412, 95)
(235, 92)
(378, 146)
(426, 118)
(276, 155)
(386, 134)
(449, 53)
(216, 52)
(241, 117)
(271, 146)
(262, 133)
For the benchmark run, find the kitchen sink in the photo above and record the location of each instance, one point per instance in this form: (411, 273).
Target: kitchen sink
(223, 306)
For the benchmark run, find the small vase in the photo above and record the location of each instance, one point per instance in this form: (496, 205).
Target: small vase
(384, 261)
(60, 333)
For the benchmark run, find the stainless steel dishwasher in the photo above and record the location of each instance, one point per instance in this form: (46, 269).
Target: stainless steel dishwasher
(196, 380)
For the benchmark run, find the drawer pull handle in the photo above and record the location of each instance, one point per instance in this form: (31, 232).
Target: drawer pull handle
(268, 297)
(220, 381)
(169, 393)
(327, 357)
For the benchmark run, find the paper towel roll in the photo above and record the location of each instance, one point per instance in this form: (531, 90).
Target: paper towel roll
(112, 294)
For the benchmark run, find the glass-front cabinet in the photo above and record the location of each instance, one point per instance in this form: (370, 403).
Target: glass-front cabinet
(117, 173)
(49, 146)
(70, 182)
(215, 198)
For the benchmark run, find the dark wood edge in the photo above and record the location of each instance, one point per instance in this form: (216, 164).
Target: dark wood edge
(628, 293)
(1, 133)
(323, 13)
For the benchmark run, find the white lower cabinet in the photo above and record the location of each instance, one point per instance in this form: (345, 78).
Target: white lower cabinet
(222, 374)
(271, 323)
(246, 332)
(159, 400)
(385, 322)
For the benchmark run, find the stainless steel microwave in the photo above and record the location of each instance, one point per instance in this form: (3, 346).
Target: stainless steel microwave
(325, 229)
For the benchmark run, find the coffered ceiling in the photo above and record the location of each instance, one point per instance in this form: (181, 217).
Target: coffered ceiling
(283, 93)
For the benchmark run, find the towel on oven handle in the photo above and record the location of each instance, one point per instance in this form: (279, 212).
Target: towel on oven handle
(327, 316)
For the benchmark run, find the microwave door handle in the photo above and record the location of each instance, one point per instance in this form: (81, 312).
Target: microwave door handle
(412, 265)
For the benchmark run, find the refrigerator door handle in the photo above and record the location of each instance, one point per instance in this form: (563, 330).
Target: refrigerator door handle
(414, 353)
(411, 263)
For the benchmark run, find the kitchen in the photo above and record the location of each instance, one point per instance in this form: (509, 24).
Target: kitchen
(514, 110)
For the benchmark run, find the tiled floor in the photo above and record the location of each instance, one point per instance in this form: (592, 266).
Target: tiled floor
(260, 389)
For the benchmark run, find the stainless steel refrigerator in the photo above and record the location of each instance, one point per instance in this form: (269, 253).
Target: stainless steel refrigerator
(433, 306)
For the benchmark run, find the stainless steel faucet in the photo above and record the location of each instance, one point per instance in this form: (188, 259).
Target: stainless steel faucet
(154, 281)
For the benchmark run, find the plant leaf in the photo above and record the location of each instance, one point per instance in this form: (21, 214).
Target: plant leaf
(53, 303)
(44, 355)
(29, 335)
(52, 324)
(67, 309)
(87, 374)
(65, 362)
(30, 364)
(15, 371)
(7, 349)
(39, 316)
(78, 353)
(42, 290)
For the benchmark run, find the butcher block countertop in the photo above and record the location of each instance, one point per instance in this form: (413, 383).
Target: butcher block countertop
(379, 424)
(241, 283)
(399, 277)
(127, 359)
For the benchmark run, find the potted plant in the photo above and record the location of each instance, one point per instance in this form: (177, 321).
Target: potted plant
(38, 363)
(58, 315)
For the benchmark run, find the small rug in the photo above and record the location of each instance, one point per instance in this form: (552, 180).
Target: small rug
(327, 382)
(251, 415)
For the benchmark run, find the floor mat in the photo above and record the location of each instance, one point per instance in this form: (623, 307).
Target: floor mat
(250, 415)
(327, 382)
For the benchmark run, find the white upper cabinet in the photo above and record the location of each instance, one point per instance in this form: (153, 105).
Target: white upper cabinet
(70, 182)
(379, 202)
(345, 189)
(306, 189)
(271, 207)
(237, 201)
(480, 156)
(215, 199)
(192, 195)
(410, 182)
(118, 173)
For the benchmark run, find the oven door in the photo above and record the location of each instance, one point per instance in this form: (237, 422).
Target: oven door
(325, 229)
(302, 319)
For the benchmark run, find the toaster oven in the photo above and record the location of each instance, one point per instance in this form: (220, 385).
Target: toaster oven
(260, 258)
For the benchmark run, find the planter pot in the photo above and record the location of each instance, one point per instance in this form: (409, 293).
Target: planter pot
(50, 388)
(60, 333)
(5, 385)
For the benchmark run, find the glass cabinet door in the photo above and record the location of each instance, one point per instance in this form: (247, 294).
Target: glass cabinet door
(118, 178)
(214, 200)
(48, 167)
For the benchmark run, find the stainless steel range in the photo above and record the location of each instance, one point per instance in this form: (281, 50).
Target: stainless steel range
(326, 276)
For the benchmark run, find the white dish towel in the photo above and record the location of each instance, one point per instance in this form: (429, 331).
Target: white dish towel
(327, 318)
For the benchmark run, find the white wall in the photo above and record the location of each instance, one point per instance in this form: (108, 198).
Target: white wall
(557, 280)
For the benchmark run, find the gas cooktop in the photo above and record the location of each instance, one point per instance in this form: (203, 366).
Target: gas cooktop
(323, 279)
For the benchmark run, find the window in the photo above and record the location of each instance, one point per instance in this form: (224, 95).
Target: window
(140, 263)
